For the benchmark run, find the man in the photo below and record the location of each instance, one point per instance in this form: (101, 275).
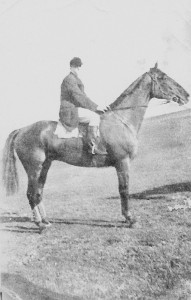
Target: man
(76, 107)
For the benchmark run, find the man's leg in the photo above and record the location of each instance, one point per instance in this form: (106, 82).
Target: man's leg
(88, 116)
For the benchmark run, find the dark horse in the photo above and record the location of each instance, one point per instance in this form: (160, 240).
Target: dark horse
(37, 145)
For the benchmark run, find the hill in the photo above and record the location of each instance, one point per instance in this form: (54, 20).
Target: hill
(164, 154)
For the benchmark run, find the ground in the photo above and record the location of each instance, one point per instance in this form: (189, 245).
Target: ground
(89, 253)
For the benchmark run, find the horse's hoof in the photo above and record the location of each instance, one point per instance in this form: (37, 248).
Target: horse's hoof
(37, 224)
(129, 222)
(46, 222)
(42, 227)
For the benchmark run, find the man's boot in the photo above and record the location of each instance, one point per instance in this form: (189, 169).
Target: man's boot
(94, 142)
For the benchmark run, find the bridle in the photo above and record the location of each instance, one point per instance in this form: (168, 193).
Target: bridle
(164, 95)
(153, 89)
(154, 84)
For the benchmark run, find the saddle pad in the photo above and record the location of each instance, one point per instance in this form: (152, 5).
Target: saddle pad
(62, 132)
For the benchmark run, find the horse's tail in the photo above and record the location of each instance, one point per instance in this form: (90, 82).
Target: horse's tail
(9, 174)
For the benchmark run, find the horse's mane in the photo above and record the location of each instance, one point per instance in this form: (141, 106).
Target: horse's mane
(128, 91)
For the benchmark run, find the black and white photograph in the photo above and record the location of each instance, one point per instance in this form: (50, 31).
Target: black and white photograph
(95, 150)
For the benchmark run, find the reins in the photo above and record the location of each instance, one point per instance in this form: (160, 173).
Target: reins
(127, 107)
(127, 124)
(121, 119)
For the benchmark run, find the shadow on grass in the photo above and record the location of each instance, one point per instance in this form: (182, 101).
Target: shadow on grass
(74, 221)
(82, 222)
(12, 219)
(93, 223)
(21, 229)
(16, 219)
(160, 192)
(26, 290)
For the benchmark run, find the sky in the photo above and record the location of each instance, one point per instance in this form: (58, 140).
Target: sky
(117, 40)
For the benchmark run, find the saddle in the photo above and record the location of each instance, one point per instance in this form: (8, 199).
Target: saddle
(62, 132)
(89, 134)
(80, 132)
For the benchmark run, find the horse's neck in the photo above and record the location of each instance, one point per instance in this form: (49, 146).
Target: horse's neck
(133, 106)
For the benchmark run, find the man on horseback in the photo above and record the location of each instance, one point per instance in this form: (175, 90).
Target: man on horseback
(76, 107)
(37, 147)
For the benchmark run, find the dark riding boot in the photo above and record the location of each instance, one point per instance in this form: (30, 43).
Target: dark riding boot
(95, 147)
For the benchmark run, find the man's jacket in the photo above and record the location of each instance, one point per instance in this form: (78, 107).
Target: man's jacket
(72, 97)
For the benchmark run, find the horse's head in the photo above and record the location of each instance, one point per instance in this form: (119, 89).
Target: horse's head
(164, 87)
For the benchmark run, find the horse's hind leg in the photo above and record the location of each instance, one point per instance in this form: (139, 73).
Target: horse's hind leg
(36, 165)
(41, 181)
(36, 180)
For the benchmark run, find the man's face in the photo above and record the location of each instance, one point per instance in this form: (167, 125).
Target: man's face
(77, 70)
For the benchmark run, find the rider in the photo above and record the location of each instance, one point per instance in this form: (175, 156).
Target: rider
(76, 107)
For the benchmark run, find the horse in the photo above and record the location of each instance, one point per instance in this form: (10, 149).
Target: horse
(37, 146)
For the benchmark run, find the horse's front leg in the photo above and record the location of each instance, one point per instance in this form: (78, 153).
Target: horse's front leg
(122, 168)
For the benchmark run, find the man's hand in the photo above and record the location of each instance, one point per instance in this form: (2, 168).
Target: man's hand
(101, 107)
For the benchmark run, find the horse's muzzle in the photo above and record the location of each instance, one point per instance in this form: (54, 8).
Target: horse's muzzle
(180, 101)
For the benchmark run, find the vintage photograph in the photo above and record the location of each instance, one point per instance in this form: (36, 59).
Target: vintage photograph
(95, 150)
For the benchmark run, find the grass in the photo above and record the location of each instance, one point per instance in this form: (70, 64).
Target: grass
(90, 258)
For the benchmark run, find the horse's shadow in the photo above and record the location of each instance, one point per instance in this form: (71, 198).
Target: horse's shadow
(91, 222)
(9, 219)
(74, 221)
(12, 218)
(81, 222)
(160, 192)
(17, 286)
(21, 229)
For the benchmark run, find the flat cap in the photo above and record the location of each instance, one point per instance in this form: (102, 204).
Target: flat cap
(76, 62)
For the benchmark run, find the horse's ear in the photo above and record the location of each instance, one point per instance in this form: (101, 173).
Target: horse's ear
(156, 66)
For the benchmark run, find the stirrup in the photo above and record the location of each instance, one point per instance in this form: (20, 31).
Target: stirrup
(93, 149)
(98, 151)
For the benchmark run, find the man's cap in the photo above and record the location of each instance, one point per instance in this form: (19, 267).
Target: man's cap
(76, 62)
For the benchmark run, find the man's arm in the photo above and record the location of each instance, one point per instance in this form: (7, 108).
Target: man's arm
(79, 98)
